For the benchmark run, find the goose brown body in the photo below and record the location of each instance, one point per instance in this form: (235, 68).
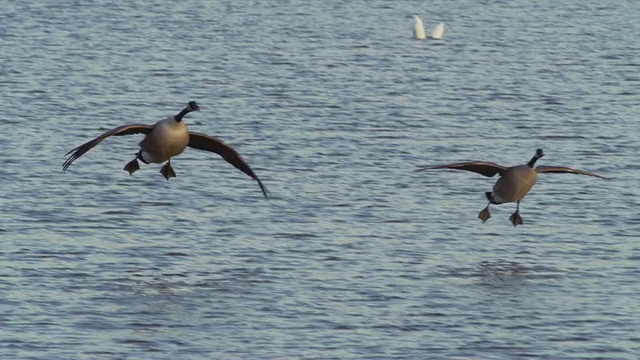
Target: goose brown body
(168, 138)
(514, 184)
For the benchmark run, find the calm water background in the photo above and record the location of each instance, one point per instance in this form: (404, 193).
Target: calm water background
(334, 104)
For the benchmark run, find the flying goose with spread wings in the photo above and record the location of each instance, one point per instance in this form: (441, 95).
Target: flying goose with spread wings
(164, 140)
(514, 183)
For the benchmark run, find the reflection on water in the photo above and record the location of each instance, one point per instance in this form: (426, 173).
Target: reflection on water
(503, 267)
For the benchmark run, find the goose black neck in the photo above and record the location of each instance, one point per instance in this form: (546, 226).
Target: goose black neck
(533, 160)
(181, 114)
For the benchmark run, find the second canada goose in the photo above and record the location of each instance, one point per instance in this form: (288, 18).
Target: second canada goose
(164, 140)
(514, 183)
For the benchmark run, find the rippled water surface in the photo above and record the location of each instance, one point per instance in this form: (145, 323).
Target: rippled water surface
(334, 105)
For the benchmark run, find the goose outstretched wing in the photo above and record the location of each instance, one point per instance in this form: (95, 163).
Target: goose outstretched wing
(485, 168)
(120, 130)
(563, 169)
(209, 143)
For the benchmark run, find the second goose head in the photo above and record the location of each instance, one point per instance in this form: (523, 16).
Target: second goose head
(191, 106)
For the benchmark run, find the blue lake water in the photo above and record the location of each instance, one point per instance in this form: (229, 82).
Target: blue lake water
(334, 105)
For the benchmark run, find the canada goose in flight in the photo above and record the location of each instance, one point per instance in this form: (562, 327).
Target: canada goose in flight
(165, 139)
(514, 183)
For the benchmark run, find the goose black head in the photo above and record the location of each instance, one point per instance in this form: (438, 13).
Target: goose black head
(535, 158)
(193, 106)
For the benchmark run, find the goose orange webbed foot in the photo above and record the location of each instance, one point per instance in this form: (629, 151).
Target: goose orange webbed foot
(515, 219)
(484, 215)
(167, 171)
(132, 166)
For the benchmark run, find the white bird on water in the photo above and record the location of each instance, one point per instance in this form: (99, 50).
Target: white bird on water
(418, 30)
(438, 31)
